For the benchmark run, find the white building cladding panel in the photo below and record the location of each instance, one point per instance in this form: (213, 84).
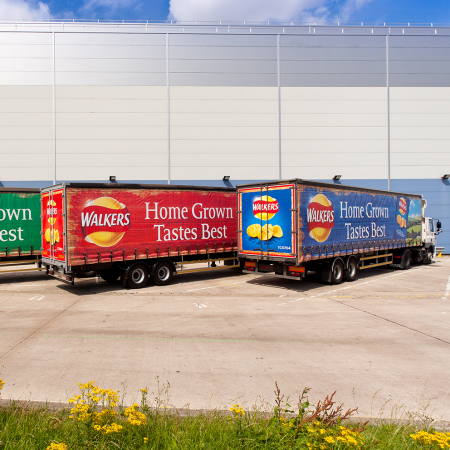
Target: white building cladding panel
(26, 106)
(112, 99)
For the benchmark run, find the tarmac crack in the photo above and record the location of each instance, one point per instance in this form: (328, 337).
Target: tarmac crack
(391, 321)
(38, 329)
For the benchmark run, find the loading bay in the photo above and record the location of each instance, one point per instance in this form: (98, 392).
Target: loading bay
(382, 342)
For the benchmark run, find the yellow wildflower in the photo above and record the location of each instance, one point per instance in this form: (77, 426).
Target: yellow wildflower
(54, 446)
(108, 429)
(135, 417)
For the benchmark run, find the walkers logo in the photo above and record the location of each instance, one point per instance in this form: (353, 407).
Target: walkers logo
(320, 217)
(402, 206)
(104, 221)
(51, 211)
(265, 207)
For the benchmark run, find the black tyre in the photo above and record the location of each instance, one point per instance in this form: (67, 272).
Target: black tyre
(88, 274)
(110, 275)
(352, 269)
(406, 260)
(163, 273)
(137, 276)
(337, 271)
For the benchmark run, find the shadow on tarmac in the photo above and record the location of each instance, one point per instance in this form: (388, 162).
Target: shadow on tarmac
(94, 285)
(312, 280)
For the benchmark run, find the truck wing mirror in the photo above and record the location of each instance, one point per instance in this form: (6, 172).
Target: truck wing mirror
(438, 225)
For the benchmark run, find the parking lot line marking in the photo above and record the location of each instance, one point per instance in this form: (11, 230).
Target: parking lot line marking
(447, 290)
(32, 298)
(212, 287)
(40, 298)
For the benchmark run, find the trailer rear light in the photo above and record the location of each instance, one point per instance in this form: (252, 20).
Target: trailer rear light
(296, 269)
(295, 274)
(50, 271)
(250, 266)
(265, 268)
(68, 278)
(398, 257)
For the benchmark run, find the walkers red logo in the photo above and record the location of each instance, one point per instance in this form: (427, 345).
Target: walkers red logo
(104, 221)
(320, 217)
(265, 207)
(402, 206)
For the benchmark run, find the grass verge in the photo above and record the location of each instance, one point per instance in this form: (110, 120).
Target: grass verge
(97, 420)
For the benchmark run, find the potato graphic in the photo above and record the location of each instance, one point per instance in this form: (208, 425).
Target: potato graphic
(399, 217)
(254, 230)
(277, 231)
(47, 235)
(56, 235)
(266, 232)
(51, 220)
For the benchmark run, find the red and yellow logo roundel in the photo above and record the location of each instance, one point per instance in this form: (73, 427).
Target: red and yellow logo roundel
(265, 207)
(104, 221)
(402, 206)
(320, 217)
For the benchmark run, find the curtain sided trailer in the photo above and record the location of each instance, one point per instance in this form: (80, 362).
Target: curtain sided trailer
(136, 231)
(20, 227)
(286, 228)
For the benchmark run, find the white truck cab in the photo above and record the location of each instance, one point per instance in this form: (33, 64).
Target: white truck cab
(430, 229)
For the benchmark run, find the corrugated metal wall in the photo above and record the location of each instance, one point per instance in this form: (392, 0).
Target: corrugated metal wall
(149, 103)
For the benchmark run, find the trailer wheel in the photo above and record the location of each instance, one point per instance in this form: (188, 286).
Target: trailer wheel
(352, 269)
(110, 275)
(137, 276)
(337, 271)
(406, 260)
(163, 273)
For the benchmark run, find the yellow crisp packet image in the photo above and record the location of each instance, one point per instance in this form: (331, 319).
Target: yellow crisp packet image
(266, 232)
(47, 235)
(277, 231)
(56, 235)
(254, 230)
(51, 220)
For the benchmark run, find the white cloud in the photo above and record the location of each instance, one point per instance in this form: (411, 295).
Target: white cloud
(24, 10)
(263, 10)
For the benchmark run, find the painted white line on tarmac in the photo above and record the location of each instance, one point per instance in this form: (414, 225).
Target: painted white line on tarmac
(32, 298)
(447, 290)
(40, 298)
(354, 286)
(213, 287)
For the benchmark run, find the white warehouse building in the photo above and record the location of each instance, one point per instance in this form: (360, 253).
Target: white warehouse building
(190, 104)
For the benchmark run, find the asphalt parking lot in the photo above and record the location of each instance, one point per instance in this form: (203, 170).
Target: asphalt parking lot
(383, 341)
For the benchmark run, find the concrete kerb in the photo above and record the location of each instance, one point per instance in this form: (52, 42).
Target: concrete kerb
(439, 425)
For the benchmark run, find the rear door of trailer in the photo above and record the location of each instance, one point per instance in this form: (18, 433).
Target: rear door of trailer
(267, 226)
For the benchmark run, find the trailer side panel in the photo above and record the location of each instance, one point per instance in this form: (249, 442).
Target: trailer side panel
(20, 224)
(335, 222)
(107, 225)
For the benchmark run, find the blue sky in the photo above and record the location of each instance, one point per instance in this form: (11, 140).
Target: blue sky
(368, 11)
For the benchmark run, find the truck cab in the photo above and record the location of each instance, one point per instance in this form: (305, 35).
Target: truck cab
(430, 229)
